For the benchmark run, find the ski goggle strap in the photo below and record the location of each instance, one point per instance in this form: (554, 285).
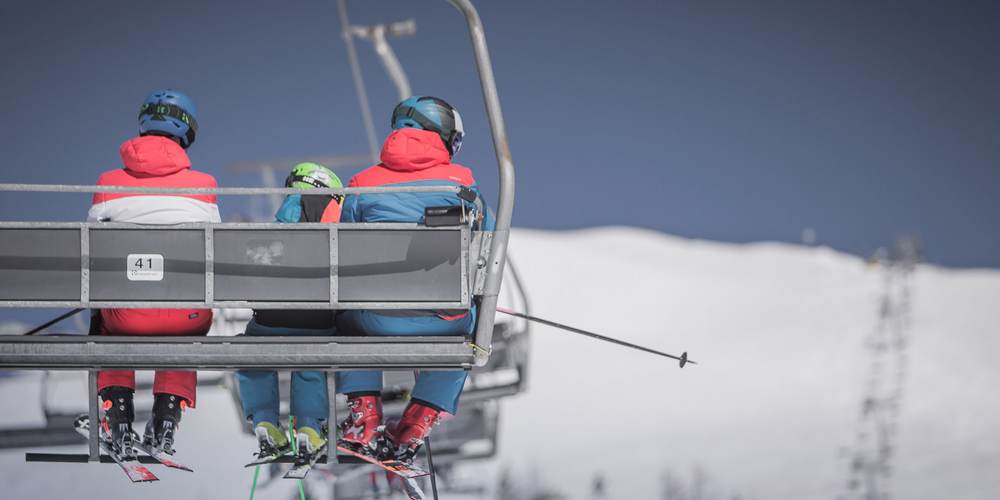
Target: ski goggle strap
(312, 181)
(159, 111)
(412, 113)
(427, 124)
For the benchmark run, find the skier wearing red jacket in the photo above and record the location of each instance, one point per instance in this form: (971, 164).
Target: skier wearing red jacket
(157, 158)
(427, 133)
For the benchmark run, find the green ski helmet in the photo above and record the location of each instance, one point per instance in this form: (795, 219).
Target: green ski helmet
(312, 175)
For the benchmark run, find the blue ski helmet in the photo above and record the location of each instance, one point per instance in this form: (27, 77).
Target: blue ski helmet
(169, 113)
(432, 114)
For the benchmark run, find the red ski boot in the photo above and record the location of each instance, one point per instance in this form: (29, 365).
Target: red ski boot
(119, 413)
(360, 429)
(407, 436)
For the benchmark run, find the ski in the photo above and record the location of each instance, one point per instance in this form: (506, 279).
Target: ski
(267, 458)
(304, 463)
(159, 455)
(401, 469)
(412, 489)
(136, 473)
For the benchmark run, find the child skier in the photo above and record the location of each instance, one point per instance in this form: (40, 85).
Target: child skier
(427, 133)
(157, 158)
(259, 388)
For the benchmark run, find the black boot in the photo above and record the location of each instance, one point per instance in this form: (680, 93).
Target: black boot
(161, 429)
(119, 413)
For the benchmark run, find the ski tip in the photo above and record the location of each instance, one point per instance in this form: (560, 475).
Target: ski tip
(82, 421)
(142, 475)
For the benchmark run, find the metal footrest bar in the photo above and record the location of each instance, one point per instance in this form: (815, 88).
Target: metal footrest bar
(82, 352)
(78, 458)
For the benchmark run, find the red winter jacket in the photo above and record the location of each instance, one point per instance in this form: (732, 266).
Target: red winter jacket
(154, 161)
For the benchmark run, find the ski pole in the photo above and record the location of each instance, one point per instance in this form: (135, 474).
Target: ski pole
(53, 321)
(683, 358)
(430, 462)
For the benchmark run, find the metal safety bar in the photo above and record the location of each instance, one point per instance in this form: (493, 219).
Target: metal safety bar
(99, 352)
(69, 188)
(505, 164)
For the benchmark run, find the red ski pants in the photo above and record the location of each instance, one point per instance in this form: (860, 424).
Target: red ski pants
(155, 322)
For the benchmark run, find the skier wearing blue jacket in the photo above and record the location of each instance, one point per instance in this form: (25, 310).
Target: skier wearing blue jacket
(259, 388)
(427, 133)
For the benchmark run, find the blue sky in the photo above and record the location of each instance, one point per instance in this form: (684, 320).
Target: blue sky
(731, 121)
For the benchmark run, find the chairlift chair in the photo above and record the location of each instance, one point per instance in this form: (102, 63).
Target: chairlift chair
(267, 265)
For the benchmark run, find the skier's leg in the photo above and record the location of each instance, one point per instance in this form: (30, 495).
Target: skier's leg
(119, 378)
(174, 390)
(111, 378)
(363, 390)
(178, 383)
(441, 389)
(259, 388)
(260, 399)
(311, 407)
(309, 401)
(434, 393)
(259, 395)
(357, 382)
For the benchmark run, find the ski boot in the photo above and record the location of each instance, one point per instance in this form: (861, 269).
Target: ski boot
(361, 430)
(404, 439)
(309, 441)
(271, 439)
(119, 412)
(161, 429)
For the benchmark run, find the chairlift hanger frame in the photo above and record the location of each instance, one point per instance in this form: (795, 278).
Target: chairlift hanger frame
(475, 352)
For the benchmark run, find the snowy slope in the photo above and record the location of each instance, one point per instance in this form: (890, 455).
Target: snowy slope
(777, 329)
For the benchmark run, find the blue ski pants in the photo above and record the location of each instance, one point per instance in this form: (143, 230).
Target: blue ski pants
(439, 388)
(259, 388)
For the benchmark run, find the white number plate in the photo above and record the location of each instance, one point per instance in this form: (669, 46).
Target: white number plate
(144, 267)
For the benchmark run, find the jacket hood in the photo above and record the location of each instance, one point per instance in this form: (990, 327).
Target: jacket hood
(412, 149)
(153, 156)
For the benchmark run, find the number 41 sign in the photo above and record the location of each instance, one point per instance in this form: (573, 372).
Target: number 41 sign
(144, 267)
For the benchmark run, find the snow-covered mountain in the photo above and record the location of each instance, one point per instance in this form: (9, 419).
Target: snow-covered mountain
(778, 332)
